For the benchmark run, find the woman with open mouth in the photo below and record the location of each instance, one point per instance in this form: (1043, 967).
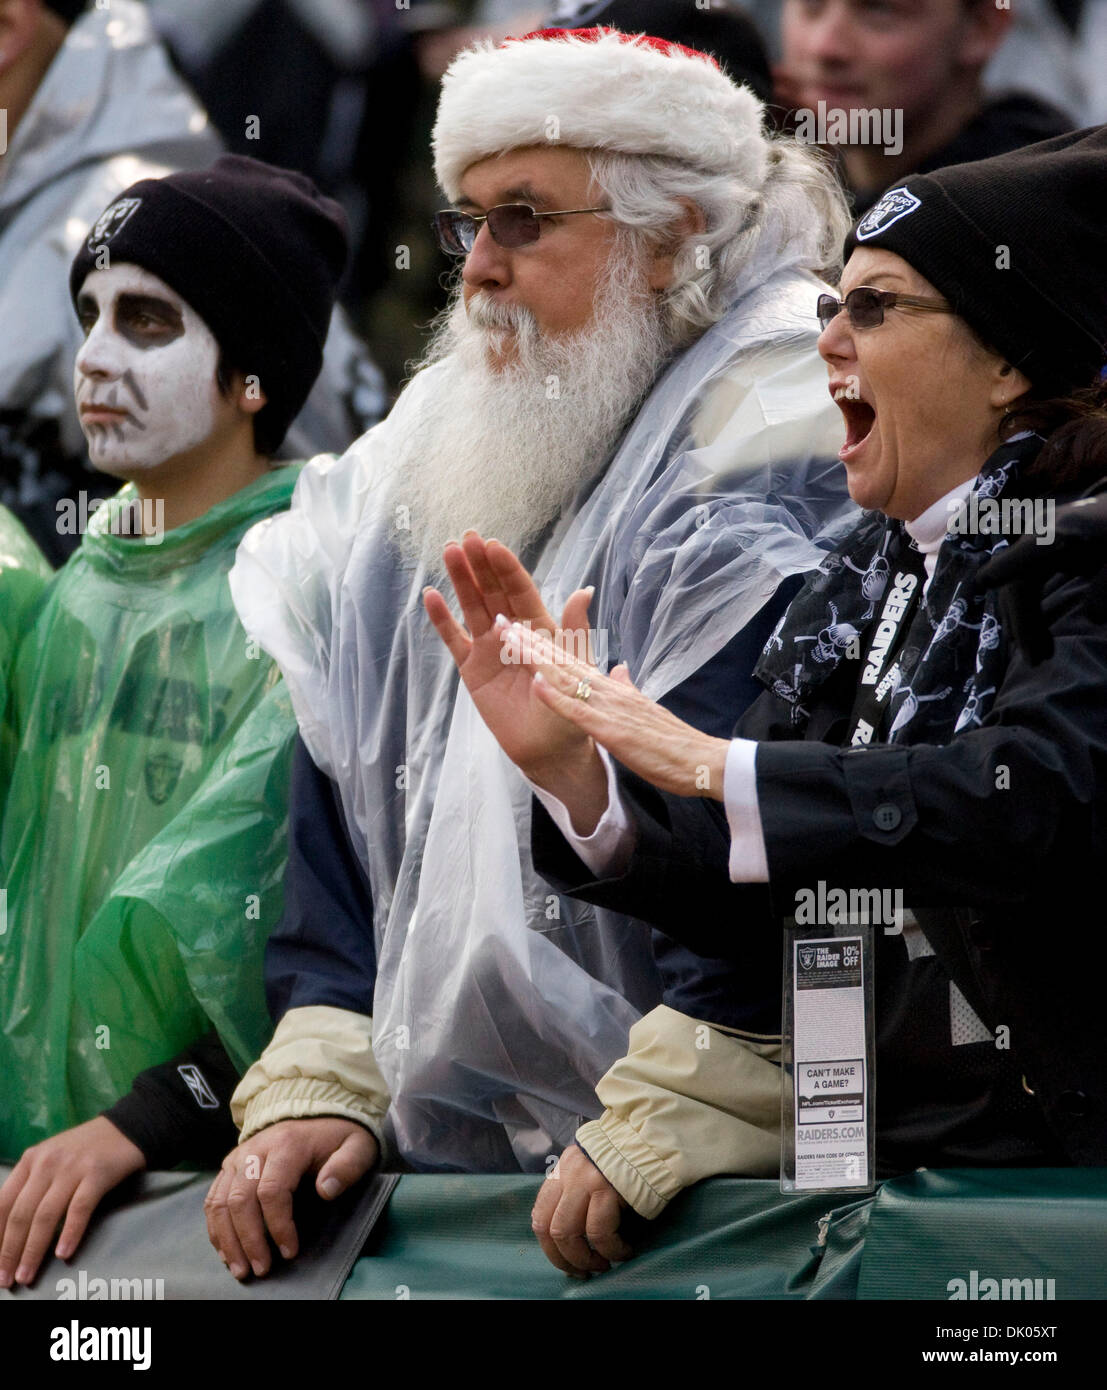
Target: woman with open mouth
(905, 744)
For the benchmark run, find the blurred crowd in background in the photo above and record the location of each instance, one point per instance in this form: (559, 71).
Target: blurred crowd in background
(345, 92)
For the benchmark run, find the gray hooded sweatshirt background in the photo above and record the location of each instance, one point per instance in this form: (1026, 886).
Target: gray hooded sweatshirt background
(109, 111)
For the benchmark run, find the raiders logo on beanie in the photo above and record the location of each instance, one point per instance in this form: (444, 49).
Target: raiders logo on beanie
(896, 203)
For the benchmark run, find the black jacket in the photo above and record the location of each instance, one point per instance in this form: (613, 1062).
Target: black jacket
(996, 839)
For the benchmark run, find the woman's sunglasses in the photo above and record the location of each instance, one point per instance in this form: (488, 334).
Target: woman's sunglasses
(511, 224)
(865, 306)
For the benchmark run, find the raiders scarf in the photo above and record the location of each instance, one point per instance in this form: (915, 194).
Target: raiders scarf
(949, 661)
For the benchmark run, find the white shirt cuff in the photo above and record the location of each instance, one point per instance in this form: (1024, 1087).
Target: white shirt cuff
(748, 860)
(607, 851)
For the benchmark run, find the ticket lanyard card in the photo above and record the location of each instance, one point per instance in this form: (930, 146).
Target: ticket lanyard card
(829, 1075)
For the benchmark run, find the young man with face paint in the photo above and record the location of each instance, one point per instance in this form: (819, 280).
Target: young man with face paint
(148, 388)
(143, 826)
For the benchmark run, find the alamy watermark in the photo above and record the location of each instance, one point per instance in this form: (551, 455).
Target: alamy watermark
(143, 517)
(95, 1289)
(589, 645)
(858, 126)
(1004, 516)
(77, 1343)
(844, 907)
(985, 1288)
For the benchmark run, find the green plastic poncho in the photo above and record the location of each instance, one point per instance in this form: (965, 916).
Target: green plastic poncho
(144, 828)
(24, 571)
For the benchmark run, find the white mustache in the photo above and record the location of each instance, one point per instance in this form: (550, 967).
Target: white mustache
(485, 313)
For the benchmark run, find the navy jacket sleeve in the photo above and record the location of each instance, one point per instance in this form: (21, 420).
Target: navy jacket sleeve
(714, 697)
(677, 879)
(709, 968)
(322, 950)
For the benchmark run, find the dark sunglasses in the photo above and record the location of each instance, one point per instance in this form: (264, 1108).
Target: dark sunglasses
(511, 224)
(866, 306)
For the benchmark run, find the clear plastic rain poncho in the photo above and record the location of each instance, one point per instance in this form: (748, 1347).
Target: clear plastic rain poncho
(498, 1006)
(144, 828)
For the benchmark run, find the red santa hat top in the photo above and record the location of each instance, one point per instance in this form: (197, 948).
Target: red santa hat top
(596, 89)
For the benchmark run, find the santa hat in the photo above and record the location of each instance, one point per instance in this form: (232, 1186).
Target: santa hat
(596, 89)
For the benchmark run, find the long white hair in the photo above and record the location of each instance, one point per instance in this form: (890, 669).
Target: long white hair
(799, 213)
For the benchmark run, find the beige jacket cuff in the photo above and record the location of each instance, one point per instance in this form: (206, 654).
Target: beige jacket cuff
(689, 1100)
(320, 1062)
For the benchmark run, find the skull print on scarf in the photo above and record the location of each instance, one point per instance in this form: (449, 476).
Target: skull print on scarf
(952, 650)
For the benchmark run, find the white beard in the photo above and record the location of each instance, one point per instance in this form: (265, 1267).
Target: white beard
(504, 451)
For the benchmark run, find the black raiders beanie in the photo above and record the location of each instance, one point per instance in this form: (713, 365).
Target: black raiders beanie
(1017, 244)
(256, 251)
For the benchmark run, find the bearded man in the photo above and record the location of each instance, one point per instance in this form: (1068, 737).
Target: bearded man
(625, 385)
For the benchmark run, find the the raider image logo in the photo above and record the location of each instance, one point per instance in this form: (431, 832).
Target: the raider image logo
(162, 772)
(896, 203)
(807, 956)
(112, 220)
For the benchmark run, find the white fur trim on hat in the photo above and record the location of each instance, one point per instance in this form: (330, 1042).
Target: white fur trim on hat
(615, 92)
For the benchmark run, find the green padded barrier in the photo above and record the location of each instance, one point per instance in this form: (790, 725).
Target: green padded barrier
(992, 1229)
(469, 1237)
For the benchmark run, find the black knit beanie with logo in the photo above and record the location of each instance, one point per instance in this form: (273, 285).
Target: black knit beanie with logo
(1018, 245)
(256, 251)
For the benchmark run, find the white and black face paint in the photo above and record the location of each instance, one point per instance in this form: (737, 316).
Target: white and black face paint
(144, 378)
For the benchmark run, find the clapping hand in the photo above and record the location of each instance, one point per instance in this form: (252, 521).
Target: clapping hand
(492, 584)
(548, 705)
